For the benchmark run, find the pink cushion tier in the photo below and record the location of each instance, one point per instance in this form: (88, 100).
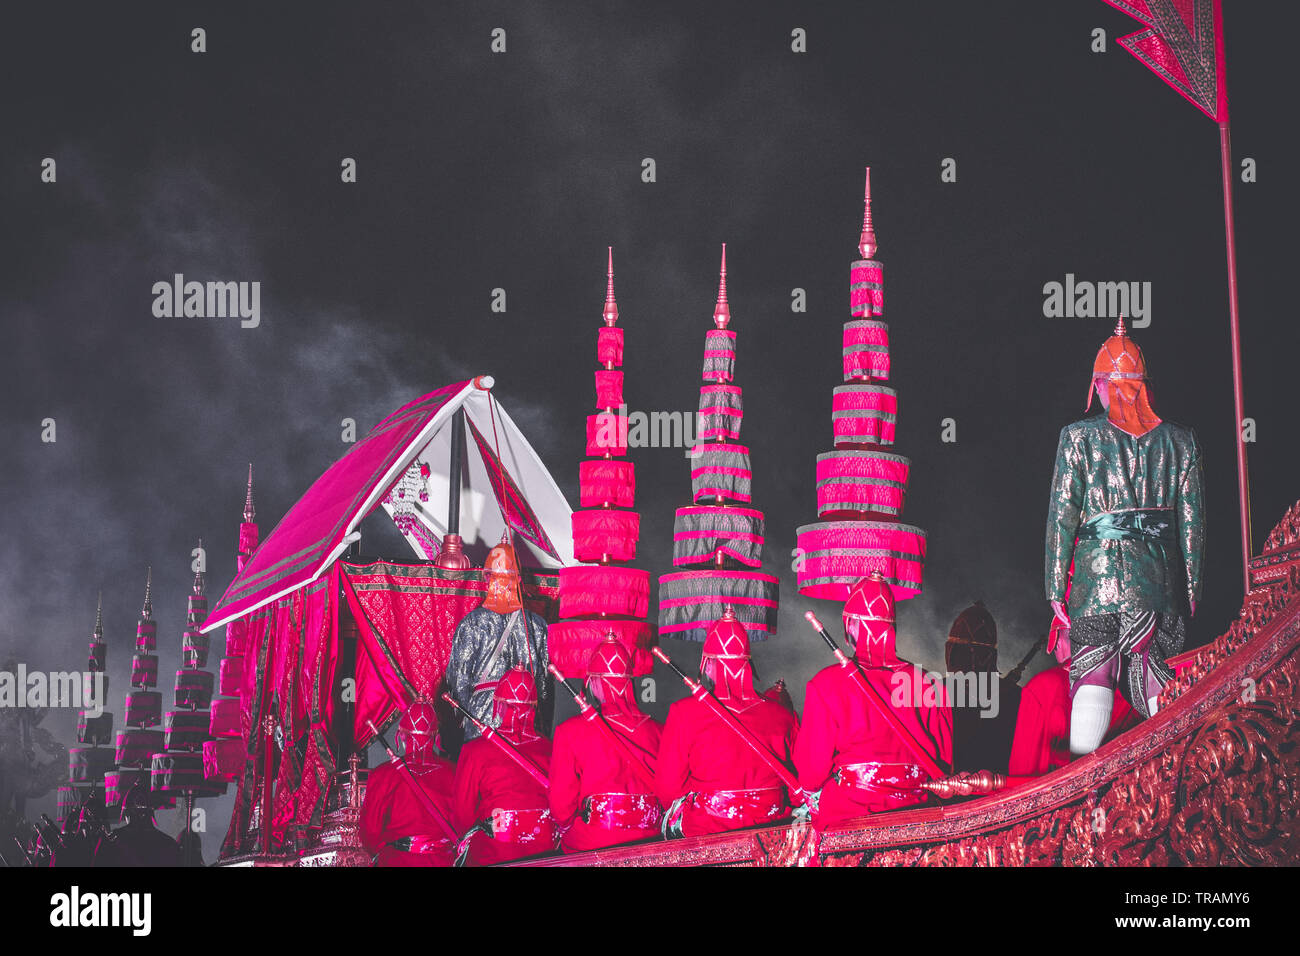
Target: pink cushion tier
(864, 414)
(867, 288)
(603, 532)
(691, 601)
(606, 480)
(590, 589)
(832, 556)
(866, 349)
(569, 643)
(870, 482)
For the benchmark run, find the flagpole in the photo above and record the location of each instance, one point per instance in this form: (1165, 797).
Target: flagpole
(1243, 482)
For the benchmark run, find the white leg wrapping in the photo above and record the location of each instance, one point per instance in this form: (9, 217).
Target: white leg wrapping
(1089, 718)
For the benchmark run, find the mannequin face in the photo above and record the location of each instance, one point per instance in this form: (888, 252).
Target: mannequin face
(1103, 393)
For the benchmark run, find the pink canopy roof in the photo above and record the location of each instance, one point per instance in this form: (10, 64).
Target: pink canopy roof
(319, 528)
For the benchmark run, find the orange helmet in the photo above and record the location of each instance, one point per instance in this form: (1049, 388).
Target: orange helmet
(1122, 371)
(501, 572)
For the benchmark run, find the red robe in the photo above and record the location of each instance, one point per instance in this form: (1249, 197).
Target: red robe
(841, 728)
(585, 763)
(702, 755)
(1042, 741)
(393, 810)
(487, 783)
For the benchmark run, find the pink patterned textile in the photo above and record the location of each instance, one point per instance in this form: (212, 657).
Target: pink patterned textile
(237, 638)
(609, 345)
(606, 481)
(607, 434)
(570, 643)
(231, 676)
(867, 288)
(406, 616)
(691, 602)
(604, 589)
(720, 414)
(865, 481)
(1184, 47)
(223, 758)
(834, 555)
(223, 718)
(609, 389)
(701, 532)
(719, 355)
(605, 534)
(866, 349)
(864, 414)
(719, 469)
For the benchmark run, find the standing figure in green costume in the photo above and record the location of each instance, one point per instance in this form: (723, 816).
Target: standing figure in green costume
(1125, 535)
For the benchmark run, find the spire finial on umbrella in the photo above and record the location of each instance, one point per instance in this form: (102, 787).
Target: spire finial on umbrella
(867, 241)
(199, 586)
(147, 611)
(99, 618)
(722, 311)
(611, 307)
(249, 513)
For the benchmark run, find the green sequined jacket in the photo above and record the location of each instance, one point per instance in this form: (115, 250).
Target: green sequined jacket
(1136, 508)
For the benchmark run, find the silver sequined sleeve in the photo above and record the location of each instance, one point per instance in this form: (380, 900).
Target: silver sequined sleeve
(1063, 512)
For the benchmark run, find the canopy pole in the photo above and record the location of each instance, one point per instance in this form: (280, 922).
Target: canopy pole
(1243, 481)
(453, 483)
(452, 555)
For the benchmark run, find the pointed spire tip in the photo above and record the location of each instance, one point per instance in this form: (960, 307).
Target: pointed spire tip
(867, 240)
(610, 314)
(722, 311)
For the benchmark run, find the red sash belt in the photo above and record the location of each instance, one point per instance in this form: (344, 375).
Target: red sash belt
(622, 811)
(749, 806)
(523, 826)
(880, 776)
(422, 844)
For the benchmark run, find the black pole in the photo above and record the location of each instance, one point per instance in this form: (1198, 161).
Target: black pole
(453, 473)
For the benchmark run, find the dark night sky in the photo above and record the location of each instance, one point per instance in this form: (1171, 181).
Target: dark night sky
(515, 170)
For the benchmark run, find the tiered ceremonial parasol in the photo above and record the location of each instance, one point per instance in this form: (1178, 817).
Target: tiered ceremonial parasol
(861, 487)
(604, 596)
(718, 539)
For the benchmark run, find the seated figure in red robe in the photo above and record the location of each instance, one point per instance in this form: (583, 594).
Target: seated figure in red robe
(706, 776)
(596, 790)
(846, 749)
(397, 827)
(502, 810)
(1042, 740)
